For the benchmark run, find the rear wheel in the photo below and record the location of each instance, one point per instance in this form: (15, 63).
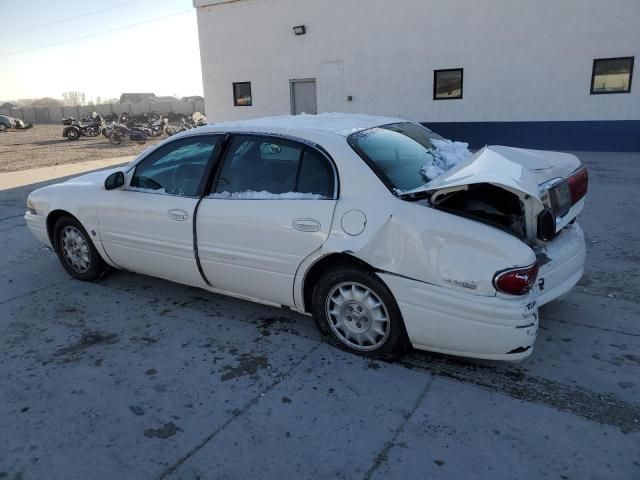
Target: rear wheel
(358, 313)
(73, 134)
(3, 127)
(76, 251)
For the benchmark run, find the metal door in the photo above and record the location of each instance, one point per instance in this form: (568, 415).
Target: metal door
(303, 96)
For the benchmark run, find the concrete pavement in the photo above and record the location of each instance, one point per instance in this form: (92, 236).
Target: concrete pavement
(135, 377)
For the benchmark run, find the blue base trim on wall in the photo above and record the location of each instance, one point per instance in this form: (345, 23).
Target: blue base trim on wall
(606, 136)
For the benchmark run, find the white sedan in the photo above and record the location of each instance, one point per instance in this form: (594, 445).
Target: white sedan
(389, 235)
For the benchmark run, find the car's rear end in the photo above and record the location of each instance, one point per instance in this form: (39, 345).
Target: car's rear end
(499, 240)
(562, 254)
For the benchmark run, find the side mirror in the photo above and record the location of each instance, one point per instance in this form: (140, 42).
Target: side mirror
(114, 181)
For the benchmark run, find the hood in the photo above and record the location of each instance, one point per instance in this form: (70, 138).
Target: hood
(519, 170)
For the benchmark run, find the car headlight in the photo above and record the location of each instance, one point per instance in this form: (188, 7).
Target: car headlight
(30, 207)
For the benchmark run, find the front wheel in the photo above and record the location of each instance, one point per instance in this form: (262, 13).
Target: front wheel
(76, 251)
(358, 313)
(115, 138)
(3, 127)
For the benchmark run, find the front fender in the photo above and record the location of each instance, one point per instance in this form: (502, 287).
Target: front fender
(72, 199)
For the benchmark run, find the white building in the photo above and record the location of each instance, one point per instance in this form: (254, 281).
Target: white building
(521, 72)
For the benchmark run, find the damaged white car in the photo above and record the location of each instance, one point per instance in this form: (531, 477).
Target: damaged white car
(387, 234)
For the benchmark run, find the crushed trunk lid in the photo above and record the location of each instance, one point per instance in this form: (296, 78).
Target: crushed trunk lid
(522, 172)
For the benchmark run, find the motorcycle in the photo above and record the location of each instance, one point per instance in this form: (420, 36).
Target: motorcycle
(119, 132)
(194, 121)
(20, 125)
(75, 130)
(158, 126)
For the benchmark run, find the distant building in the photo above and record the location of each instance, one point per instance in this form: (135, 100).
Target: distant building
(154, 99)
(8, 105)
(135, 98)
(553, 74)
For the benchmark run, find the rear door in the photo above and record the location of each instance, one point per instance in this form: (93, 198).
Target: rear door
(270, 207)
(147, 227)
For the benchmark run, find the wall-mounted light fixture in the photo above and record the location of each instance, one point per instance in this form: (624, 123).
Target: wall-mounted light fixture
(300, 30)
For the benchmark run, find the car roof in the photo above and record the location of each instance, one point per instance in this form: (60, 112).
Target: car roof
(342, 124)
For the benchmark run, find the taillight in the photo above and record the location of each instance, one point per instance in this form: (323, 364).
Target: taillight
(578, 184)
(516, 281)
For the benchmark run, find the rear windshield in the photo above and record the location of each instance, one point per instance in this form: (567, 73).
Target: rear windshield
(398, 153)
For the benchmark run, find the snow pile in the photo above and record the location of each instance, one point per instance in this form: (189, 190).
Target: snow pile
(264, 195)
(444, 155)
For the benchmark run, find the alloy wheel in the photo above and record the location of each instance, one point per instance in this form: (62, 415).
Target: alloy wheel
(357, 316)
(75, 249)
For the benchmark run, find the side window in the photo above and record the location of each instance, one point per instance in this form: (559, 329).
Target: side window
(258, 167)
(316, 175)
(176, 168)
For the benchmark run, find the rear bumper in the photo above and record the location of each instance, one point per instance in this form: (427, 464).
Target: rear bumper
(501, 327)
(564, 257)
(443, 320)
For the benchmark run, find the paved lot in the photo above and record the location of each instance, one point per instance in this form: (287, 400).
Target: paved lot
(137, 378)
(44, 146)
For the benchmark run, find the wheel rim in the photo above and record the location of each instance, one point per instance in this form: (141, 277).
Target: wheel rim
(72, 134)
(357, 316)
(75, 249)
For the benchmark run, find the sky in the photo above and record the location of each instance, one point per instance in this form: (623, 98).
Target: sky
(133, 46)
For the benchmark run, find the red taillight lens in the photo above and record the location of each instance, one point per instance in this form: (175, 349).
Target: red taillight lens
(516, 281)
(578, 184)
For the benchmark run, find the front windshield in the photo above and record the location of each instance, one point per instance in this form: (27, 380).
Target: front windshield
(402, 154)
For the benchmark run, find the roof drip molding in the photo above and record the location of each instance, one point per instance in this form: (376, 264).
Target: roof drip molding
(207, 3)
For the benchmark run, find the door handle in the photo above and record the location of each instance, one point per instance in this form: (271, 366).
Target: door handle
(178, 215)
(306, 224)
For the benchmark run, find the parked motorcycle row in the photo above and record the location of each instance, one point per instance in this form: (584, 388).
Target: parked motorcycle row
(127, 127)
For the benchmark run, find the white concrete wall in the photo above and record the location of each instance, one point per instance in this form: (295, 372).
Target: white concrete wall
(523, 60)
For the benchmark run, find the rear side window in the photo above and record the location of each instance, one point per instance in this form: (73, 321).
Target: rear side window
(271, 168)
(176, 168)
(398, 153)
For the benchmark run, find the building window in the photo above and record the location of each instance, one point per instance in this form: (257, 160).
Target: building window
(447, 84)
(611, 75)
(242, 94)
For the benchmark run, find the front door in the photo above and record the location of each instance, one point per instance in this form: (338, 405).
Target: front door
(303, 96)
(271, 207)
(147, 227)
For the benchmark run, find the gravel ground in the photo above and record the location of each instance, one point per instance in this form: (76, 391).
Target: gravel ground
(44, 146)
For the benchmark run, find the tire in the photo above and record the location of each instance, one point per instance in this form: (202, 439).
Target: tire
(115, 138)
(76, 251)
(170, 131)
(3, 127)
(352, 294)
(72, 134)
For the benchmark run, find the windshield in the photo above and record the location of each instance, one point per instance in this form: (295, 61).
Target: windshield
(400, 153)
